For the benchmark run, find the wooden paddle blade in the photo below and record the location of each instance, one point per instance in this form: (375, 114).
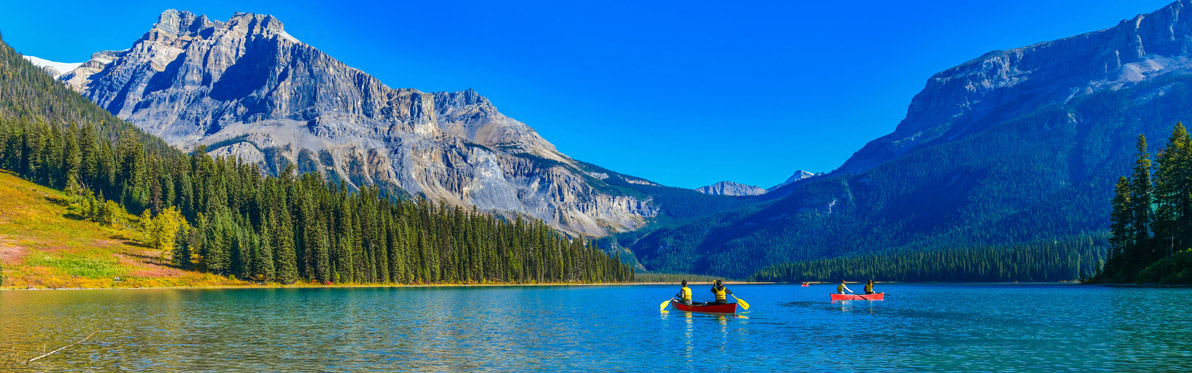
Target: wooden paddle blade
(663, 305)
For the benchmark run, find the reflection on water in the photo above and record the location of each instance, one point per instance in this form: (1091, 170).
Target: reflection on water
(928, 327)
(856, 305)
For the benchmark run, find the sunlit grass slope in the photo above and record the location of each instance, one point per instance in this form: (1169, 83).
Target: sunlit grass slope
(42, 246)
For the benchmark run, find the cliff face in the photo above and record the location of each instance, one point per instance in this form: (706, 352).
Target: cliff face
(1003, 84)
(246, 88)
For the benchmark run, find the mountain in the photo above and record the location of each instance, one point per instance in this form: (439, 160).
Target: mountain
(1001, 85)
(246, 88)
(226, 221)
(799, 175)
(728, 188)
(1016, 146)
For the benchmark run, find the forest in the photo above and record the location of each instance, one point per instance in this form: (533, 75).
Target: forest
(1067, 260)
(1151, 219)
(221, 216)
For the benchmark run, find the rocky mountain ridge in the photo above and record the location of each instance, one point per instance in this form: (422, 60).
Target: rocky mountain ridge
(728, 188)
(1002, 84)
(248, 89)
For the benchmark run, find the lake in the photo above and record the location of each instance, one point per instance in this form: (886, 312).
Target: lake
(788, 327)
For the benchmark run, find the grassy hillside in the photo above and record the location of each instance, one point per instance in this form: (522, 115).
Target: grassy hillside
(41, 246)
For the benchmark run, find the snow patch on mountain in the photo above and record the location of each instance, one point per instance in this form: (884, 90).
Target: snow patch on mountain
(287, 36)
(799, 175)
(56, 69)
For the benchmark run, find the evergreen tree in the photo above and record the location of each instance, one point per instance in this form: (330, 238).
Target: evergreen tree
(1163, 204)
(263, 264)
(1141, 200)
(1120, 231)
(286, 260)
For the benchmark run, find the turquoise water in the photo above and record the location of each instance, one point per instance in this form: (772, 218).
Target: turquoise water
(917, 327)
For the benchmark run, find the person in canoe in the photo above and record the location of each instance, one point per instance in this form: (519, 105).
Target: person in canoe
(721, 293)
(684, 295)
(843, 288)
(869, 287)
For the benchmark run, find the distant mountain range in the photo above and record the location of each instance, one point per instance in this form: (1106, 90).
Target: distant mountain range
(1015, 146)
(728, 188)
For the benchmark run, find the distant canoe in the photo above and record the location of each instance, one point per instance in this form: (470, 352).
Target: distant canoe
(878, 296)
(708, 308)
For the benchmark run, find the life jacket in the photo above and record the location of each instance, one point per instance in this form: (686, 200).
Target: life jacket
(686, 293)
(840, 288)
(721, 293)
(869, 288)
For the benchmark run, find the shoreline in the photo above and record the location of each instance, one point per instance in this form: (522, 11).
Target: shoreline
(316, 286)
(1143, 286)
(653, 283)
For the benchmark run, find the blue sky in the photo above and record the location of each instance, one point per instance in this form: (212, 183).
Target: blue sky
(682, 93)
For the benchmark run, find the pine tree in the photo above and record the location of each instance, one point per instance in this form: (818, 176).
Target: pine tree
(1141, 200)
(181, 256)
(1121, 233)
(263, 262)
(73, 158)
(1170, 193)
(286, 260)
(219, 237)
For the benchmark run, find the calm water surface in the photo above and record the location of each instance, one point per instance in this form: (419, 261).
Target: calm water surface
(917, 327)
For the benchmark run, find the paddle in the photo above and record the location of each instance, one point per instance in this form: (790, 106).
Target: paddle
(850, 292)
(858, 296)
(662, 307)
(741, 302)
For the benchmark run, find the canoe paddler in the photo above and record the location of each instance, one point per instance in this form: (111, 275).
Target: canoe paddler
(684, 295)
(842, 288)
(869, 287)
(721, 292)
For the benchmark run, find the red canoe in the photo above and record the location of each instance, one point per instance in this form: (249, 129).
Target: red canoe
(878, 296)
(711, 308)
